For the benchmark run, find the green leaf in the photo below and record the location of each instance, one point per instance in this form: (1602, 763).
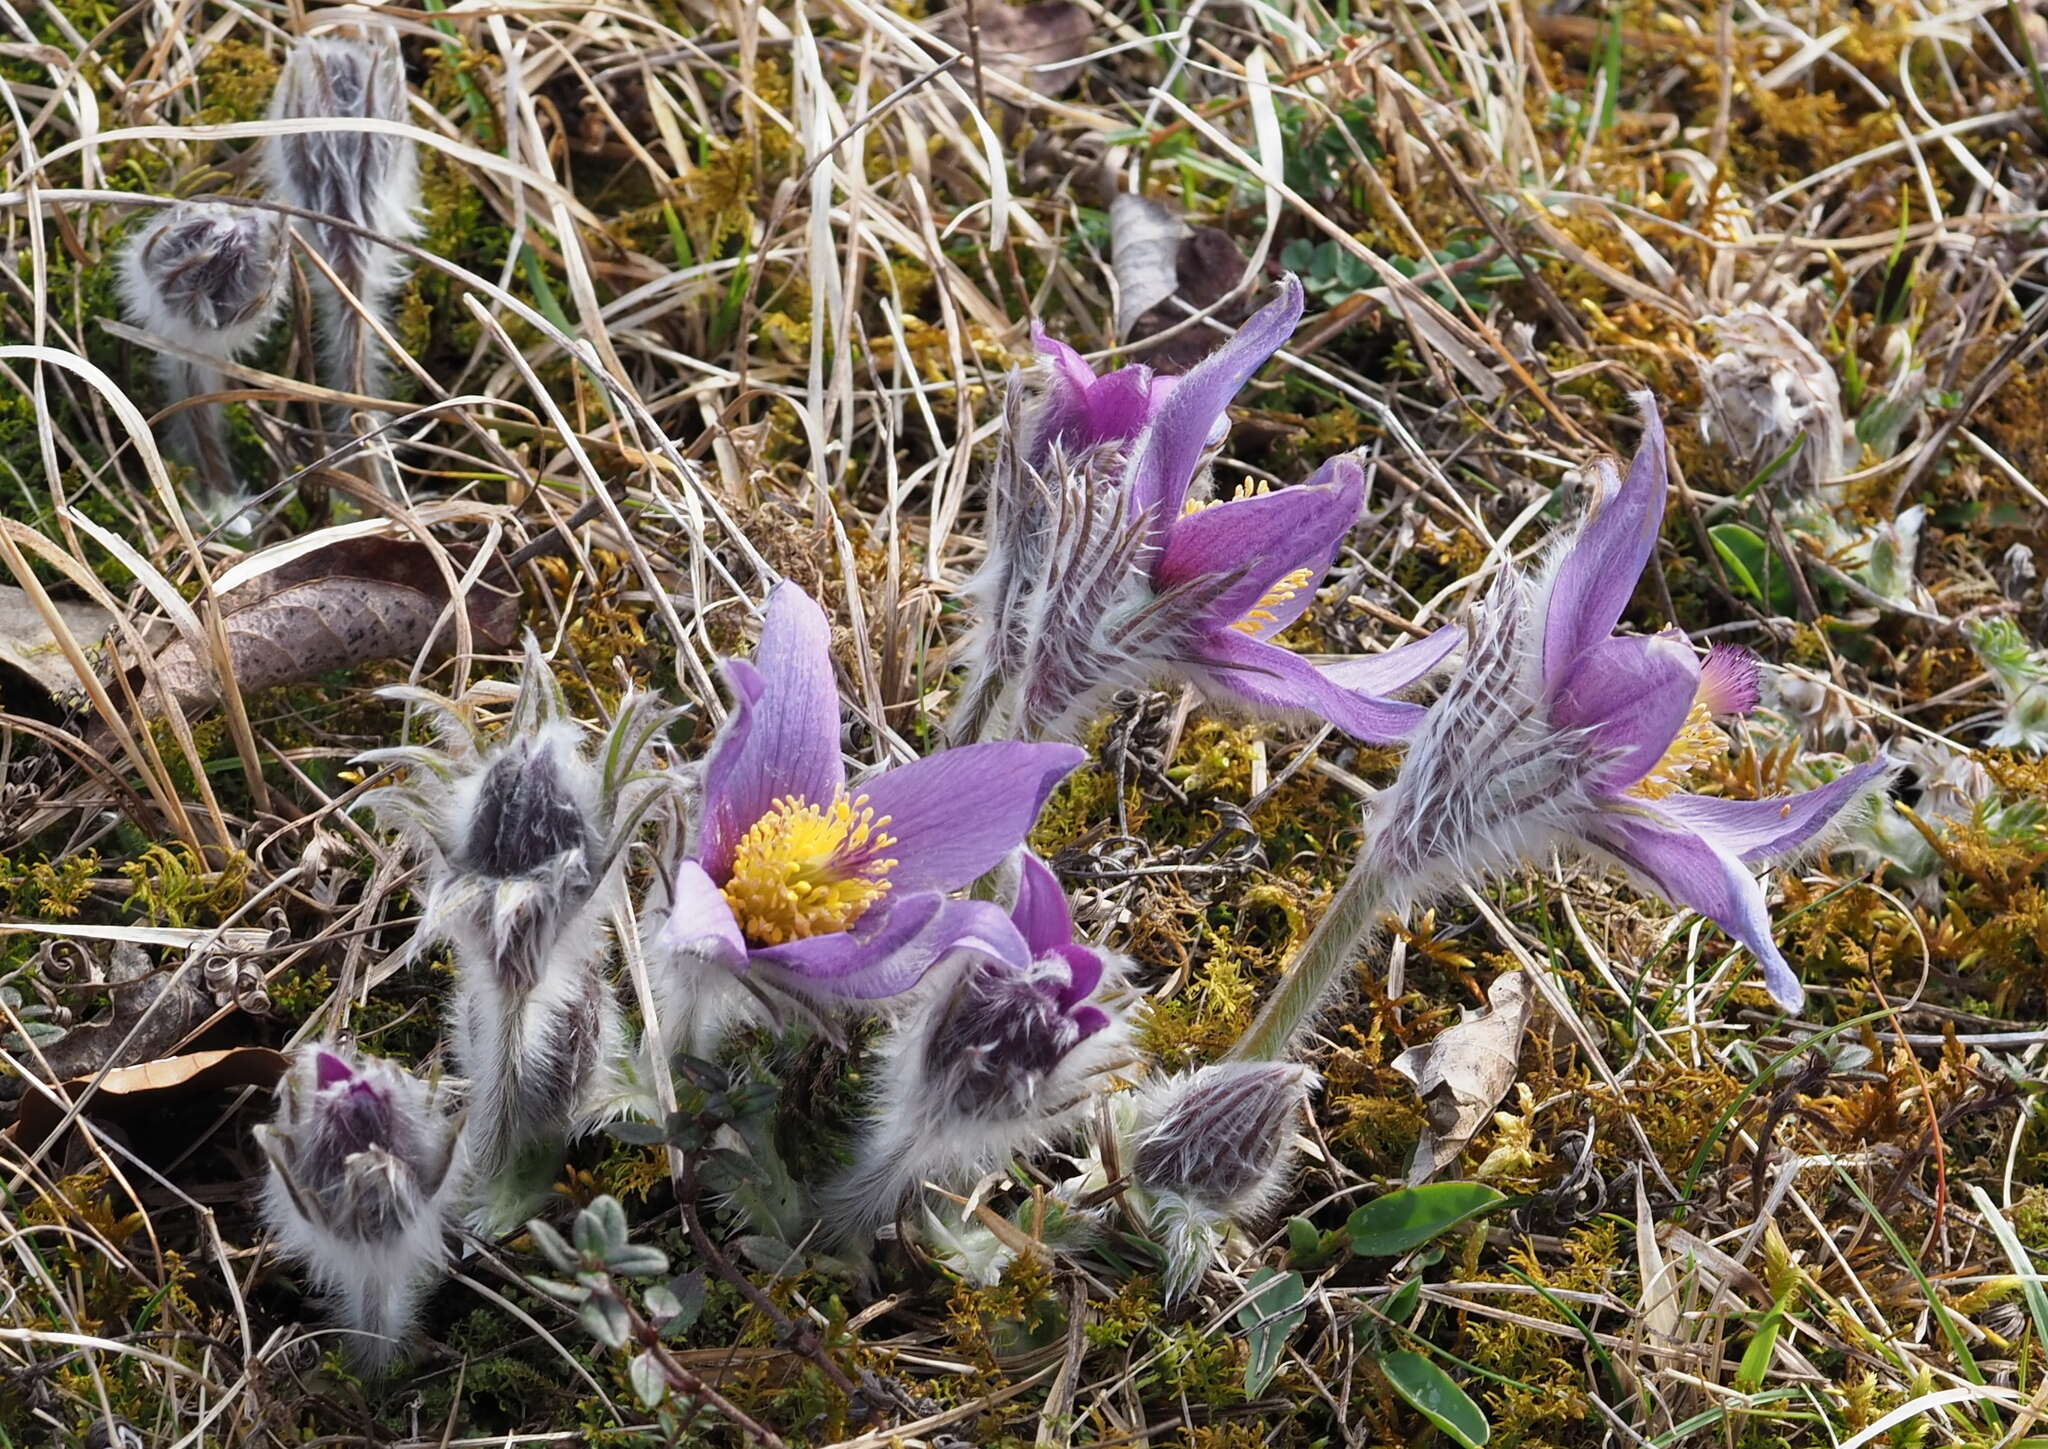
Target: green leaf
(1756, 1359)
(1436, 1396)
(649, 1382)
(1408, 1217)
(1277, 1308)
(1749, 559)
(1401, 1302)
(604, 1319)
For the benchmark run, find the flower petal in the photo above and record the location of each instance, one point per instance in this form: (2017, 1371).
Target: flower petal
(1398, 667)
(1082, 410)
(1041, 911)
(956, 815)
(1275, 680)
(1172, 447)
(1633, 695)
(1758, 832)
(1084, 973)
(1688, 870)
(889, 949)
(1264, 539)
(783, 735)
(700, 921)
(1597, 575)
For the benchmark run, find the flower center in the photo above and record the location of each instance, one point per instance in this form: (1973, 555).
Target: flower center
(1700, 742)
(805, 871)
(1264, 612)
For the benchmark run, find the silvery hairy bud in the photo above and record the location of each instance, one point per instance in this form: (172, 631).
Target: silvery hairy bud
(363, 183)
(208, 278)
(1212, 1149)
(523, 837)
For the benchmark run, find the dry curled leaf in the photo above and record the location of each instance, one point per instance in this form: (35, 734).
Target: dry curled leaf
(1465, 1071)
(320, 606)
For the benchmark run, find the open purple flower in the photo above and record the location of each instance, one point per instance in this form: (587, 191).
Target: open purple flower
(1106, 570)
(831, 891)
(1002, 1057)
(1559, 732)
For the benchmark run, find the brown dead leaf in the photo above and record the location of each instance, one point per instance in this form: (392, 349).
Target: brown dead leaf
(1465, 1071)
(329, 606)
(1160, 262)
(1040, 45)
(127, 1091)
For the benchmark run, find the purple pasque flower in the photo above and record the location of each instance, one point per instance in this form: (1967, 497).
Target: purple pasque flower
(1558, 732)
(362, 1158)
(1001, 1056)
(796, 879)
(1105, 569)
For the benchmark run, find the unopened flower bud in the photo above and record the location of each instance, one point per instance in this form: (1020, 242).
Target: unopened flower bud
(523, 838)
(364, 182)
(1212, 1149)
(209, 278)
(360, 1178)
(1004, 1056)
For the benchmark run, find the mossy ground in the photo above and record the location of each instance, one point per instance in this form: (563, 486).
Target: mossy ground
(832, 383)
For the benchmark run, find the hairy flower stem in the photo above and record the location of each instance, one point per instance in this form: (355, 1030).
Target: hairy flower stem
(1337, 941)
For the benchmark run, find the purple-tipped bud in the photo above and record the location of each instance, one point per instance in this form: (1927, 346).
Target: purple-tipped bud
(1004, 1056)
(1213, 1148)
(523, 836)
(367, 181)
(360, 1180)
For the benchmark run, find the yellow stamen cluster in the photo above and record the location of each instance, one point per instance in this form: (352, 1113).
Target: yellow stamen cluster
(1700, 741)
(804, 871)
(1265, 611)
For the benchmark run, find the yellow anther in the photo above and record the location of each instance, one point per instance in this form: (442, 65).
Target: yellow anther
(805, 871)
(1265, 612)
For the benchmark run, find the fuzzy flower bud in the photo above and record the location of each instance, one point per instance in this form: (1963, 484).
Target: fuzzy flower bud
(360, 1177)
(1212, 1148)
(209, 278)
(1002, 1057)
(354, 177)
(523, 838)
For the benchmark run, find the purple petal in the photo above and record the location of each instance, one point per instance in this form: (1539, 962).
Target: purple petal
(1633, 695)
(1274, 680)
(1688, 870)
(783, 735)
(956, 815)
(1758, 832)
(1082, 410)
(1265, 538)
(1398, 667)
(889, 949)
(1728, 680)
(1084, 973)
(1041, 911)
(329, 1069)
(1597, 576)
(1090, 1019)
(700, 920)
(1172, 447)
